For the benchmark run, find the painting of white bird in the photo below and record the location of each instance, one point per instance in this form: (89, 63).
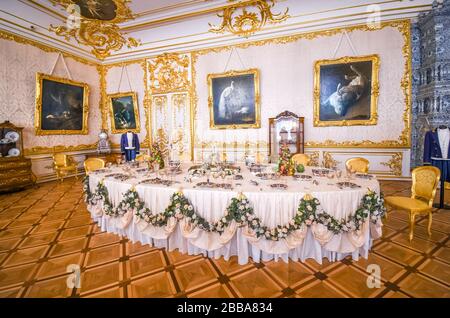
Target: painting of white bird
(234, 99)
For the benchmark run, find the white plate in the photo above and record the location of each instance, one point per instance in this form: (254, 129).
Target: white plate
(12, 135)
(13, 152)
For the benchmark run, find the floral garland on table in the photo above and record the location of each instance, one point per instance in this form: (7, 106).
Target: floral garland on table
(98, 196)
(130, 203)
(86, 189)
(240, 210)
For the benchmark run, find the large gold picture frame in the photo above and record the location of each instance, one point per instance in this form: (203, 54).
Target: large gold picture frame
(129, 124)
(346, 87)
(61, 106)
(243, 110)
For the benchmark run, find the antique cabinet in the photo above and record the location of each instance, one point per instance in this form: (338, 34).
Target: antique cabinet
(15, 169)
(286, 128)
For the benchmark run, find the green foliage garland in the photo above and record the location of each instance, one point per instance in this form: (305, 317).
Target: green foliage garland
(240, 210)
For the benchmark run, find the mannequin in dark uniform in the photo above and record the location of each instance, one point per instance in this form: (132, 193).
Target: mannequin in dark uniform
(129, 145)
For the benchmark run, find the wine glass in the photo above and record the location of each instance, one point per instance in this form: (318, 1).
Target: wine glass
(338, 174)
(330, 176)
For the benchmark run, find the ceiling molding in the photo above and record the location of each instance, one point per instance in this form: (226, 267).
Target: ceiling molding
(182, 25)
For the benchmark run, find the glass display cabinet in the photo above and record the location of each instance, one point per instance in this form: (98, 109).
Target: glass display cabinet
(15, 169)
(286, 128)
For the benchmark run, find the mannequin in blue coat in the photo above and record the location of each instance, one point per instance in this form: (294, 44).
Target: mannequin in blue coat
(129, 145)
(437, 145)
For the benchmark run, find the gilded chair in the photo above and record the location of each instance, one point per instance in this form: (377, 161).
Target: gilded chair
(301, 159)
(92, 164)
(425, 181)
(142, 158)
(63, 165)
(357, 164)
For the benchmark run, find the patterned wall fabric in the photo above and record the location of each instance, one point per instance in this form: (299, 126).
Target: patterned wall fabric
(19, 64)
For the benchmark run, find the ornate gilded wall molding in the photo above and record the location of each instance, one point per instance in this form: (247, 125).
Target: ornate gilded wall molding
(403, 26)
(95, 25)
(60, 148)
(103, 105)
(395, 163)
(247, 17)
(147, 107)
(169, 72)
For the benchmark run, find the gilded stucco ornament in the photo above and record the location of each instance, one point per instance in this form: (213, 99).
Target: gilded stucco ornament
(169, 73)
(94, 23)
(247, 17)
(395, 163)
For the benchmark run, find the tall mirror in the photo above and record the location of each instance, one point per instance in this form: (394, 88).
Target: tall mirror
(286, 128)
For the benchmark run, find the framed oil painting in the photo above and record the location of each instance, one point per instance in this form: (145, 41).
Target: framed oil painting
(124, 112)
(105, 10)
(346, 91)
(234, 99)
(61, 106)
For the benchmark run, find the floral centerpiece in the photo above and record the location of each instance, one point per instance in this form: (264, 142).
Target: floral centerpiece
(285, 165)
(156, 155)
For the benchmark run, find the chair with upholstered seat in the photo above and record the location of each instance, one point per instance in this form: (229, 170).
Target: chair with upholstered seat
(63, 165)
(301, 159)
(424, 184)
(357, 164)
(142, 158)
(92, 164)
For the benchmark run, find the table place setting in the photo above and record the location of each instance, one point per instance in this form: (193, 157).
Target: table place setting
(209, 189)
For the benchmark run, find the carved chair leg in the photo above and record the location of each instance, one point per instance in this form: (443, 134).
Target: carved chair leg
(412, 218)
(388, 209)
(430, 219)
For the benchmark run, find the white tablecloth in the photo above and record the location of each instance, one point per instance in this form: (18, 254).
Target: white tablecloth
(273, 207)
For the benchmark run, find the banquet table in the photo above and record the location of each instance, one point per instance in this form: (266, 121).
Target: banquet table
(272, 207)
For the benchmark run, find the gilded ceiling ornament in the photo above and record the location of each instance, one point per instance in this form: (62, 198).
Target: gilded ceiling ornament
(94, 23)
(247, 17)
(169, 73)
